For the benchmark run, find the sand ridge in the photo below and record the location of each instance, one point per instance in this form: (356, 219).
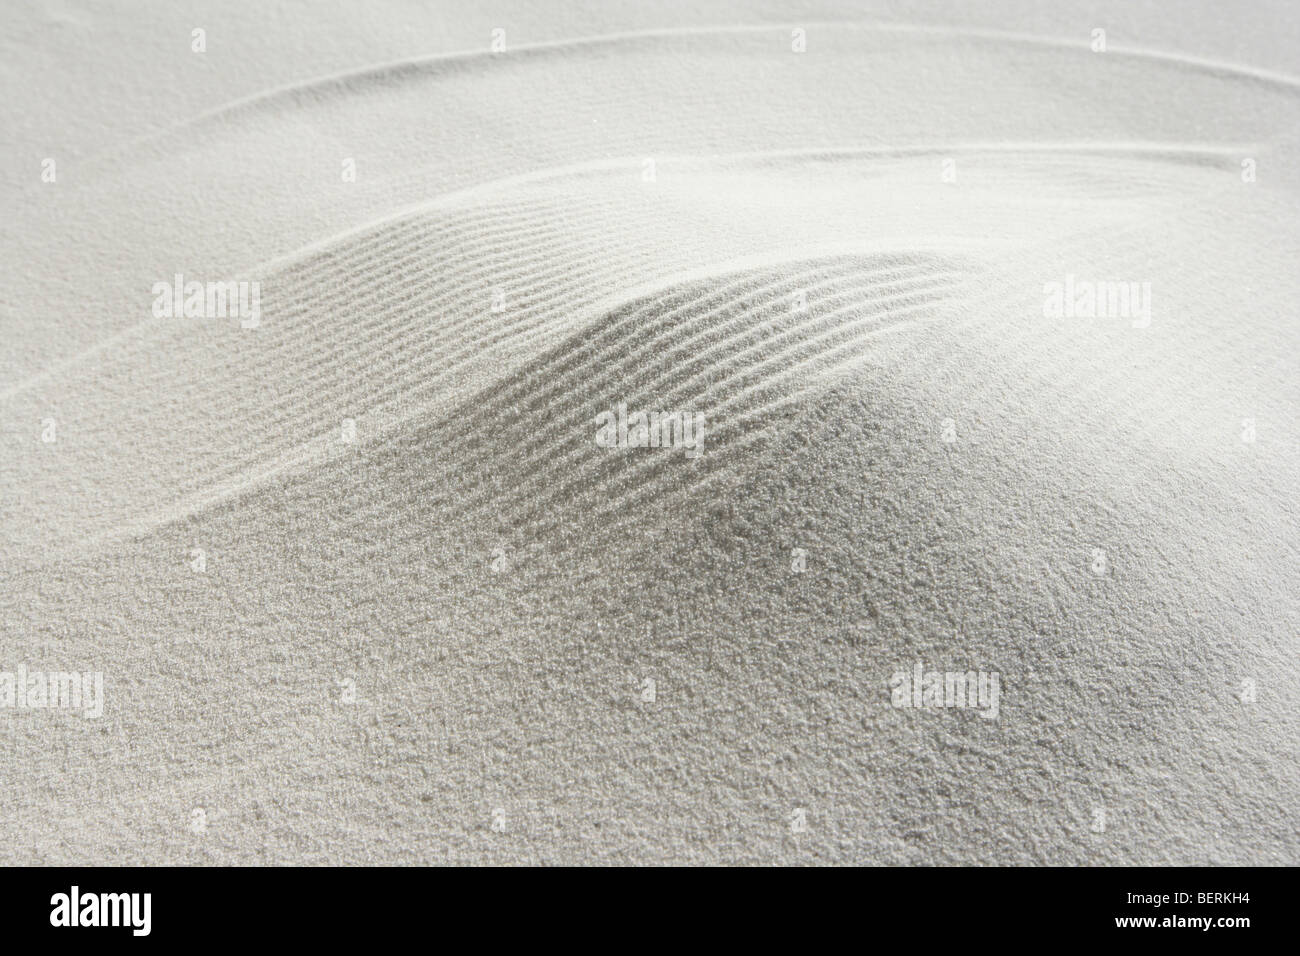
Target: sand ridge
(363, 582)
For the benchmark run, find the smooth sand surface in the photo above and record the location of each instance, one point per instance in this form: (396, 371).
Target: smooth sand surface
(429, 602)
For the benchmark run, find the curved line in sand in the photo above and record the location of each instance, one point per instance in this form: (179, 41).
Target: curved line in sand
(410, 65)
(395, 68)
(1175, 153)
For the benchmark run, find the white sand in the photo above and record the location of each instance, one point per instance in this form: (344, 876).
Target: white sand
(512, 680)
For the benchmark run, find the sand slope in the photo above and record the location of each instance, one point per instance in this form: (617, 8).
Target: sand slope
(497, 588)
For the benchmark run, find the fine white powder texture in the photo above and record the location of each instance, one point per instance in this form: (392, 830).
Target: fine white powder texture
(364, 587)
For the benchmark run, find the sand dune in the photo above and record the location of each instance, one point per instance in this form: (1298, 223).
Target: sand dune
(429, 600)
